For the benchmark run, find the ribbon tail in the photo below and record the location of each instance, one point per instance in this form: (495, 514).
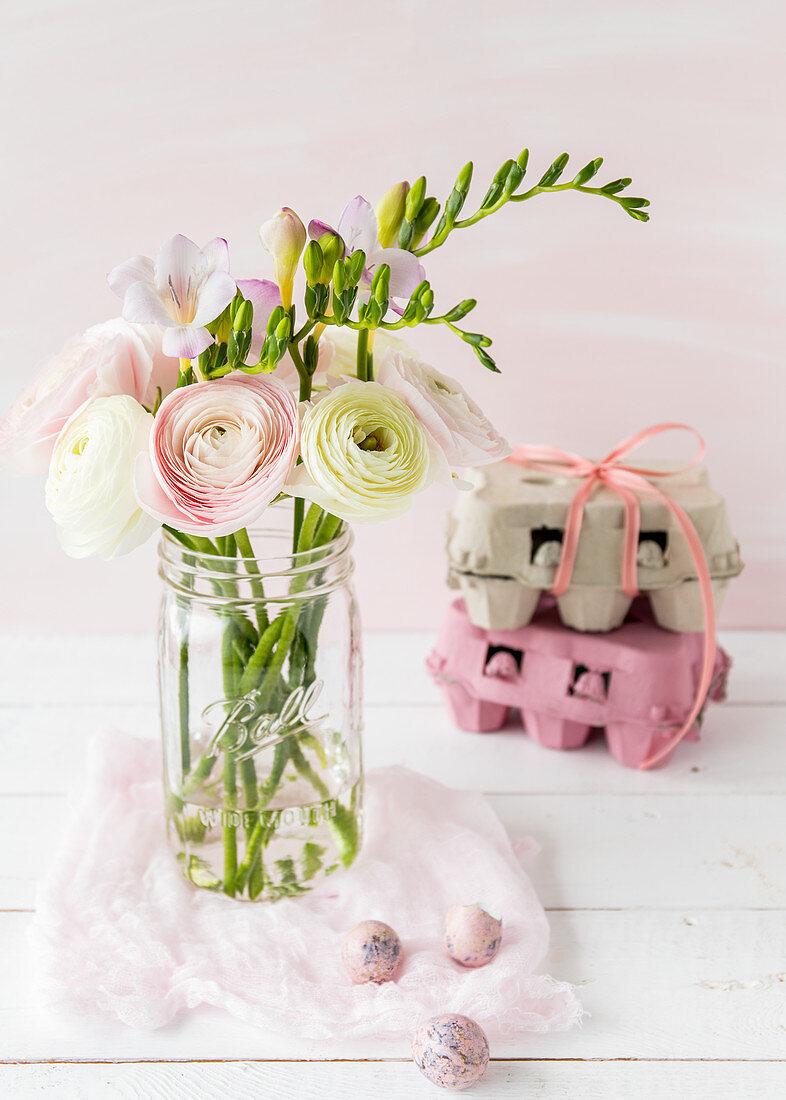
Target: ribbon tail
(570, 540)
(708, 658)
(630, 580)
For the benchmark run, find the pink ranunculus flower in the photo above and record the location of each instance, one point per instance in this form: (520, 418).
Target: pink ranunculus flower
(110, 359)
(219, 453)
(459, 427)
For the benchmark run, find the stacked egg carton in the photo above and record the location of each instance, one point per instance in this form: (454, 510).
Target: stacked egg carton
(575, 663)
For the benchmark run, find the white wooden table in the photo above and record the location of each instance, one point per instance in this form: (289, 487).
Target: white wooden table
(666, 893)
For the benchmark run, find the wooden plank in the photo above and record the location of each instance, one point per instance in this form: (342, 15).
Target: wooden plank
(119, 668)
(396, 1080)
(599, 851)
(689, 984)
(43, 749)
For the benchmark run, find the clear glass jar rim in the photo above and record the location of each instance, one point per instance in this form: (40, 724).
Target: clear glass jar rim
(280, 564)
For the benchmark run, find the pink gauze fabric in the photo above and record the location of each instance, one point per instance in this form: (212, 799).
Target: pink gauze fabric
(119, 933)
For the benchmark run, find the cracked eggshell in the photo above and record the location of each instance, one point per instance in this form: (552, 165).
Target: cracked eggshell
(371, 952)
(472, 936)
(451, 1051)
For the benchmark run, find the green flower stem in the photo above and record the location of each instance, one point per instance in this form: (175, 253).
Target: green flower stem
(464, 223)
(327, 530)
(257, 589)
(302, 767)
(230, 831)
(183, 690)
(363, 363)
(261, 655)
(229, 663)
(309, 528)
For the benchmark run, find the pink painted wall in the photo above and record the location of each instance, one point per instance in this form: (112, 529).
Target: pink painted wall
(124, 123)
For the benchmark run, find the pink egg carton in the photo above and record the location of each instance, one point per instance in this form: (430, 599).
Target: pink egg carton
(637, 682)
(505, 539)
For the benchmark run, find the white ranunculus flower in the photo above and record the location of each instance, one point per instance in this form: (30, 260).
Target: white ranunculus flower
(364, 454)
(447, 412)
(338, 350)
(90, 489)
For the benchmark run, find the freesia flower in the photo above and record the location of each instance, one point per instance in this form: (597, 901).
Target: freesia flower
(90, 489)
(358, 228)
(219, 453)
(184, 289)
(284, 237)
(365, 455)
(111, 358)
(447, 412)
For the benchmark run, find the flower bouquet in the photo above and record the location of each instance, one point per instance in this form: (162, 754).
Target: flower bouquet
(215, 400)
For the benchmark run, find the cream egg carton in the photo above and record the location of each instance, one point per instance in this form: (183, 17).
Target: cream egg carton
(505, 540)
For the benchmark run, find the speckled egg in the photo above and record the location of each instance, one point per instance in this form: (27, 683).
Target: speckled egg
(452, 1051)
(372, 952)
(472, 936)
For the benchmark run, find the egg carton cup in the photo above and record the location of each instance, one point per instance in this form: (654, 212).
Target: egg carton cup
(505, 540)
(637, 682)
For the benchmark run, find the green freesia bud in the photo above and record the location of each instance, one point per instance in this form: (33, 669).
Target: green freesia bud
(428, 213)
(417, 194)
(332, 248)
(355, 266)
(339, 276)
(312, 262)
(390, 213)
(464, 177)
(380, 283)
(243, 317)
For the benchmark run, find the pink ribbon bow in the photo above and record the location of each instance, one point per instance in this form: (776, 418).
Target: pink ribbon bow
(628, 481)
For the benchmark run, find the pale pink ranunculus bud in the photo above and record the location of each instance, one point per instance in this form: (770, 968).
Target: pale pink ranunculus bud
(115, 357)
(219, 453)
(90, 488)
(459, 427)
(284, 237)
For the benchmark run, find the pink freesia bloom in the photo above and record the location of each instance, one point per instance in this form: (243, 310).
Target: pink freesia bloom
(458, 426)
(358, 228)
(184, 289)
(264, 296)
(219, 453)
(113, 358)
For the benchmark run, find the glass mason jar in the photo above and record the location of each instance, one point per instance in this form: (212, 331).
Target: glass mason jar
(260, 696)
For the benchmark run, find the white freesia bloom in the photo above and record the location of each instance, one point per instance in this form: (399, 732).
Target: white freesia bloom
(447, 412)
(364, 454)
(90, 489)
